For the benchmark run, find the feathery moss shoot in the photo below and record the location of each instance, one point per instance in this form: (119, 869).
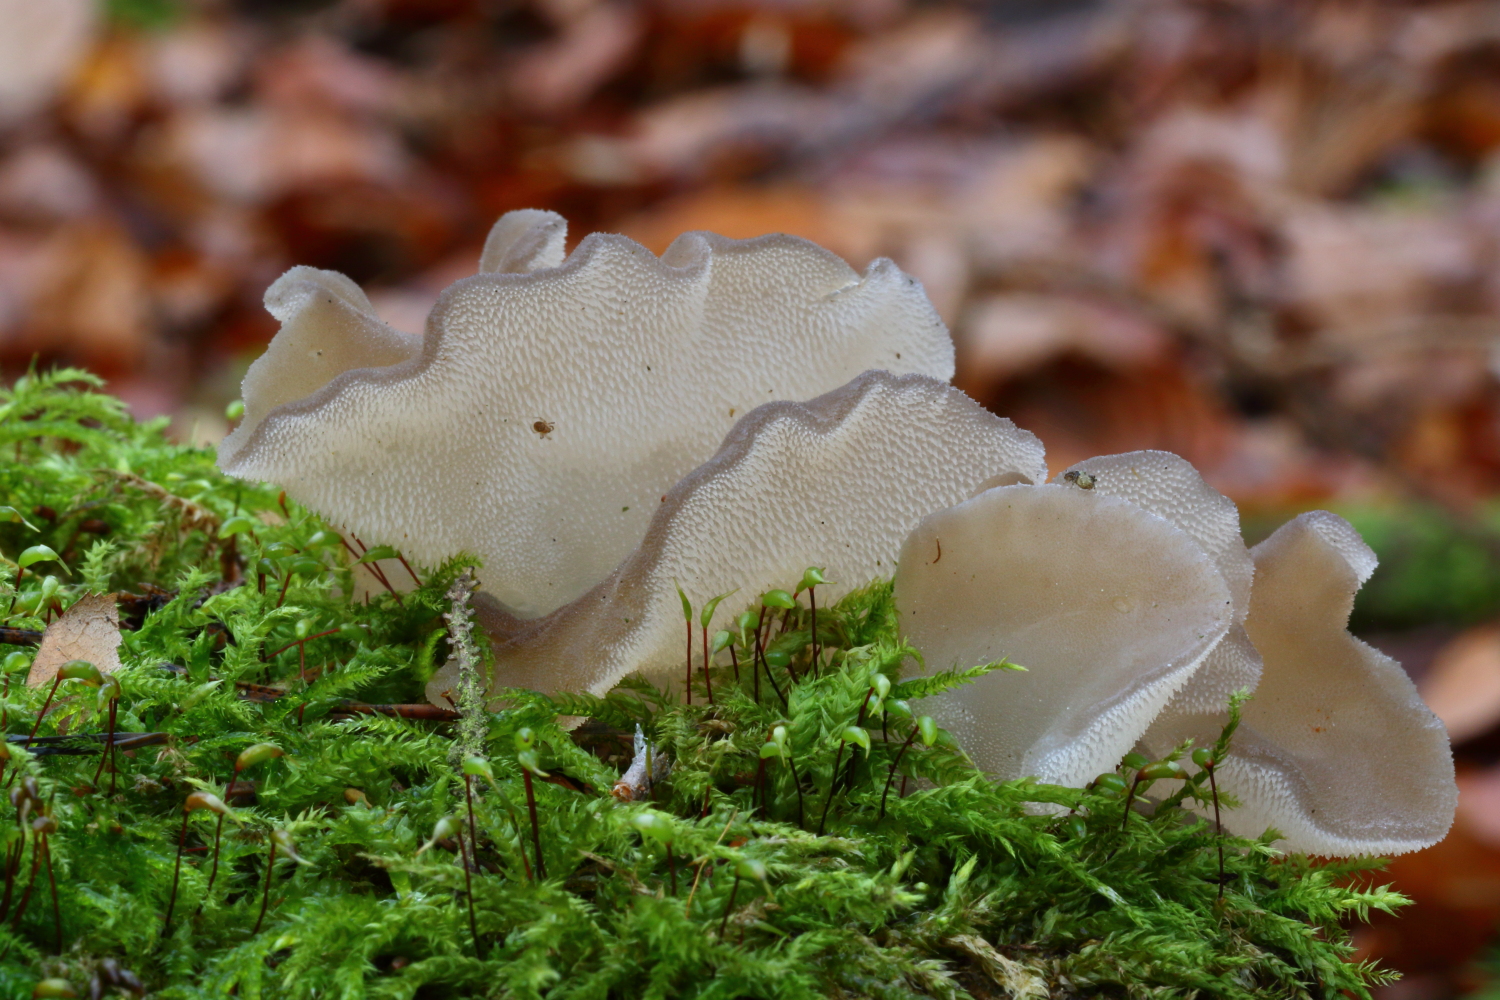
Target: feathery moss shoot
(821, 839)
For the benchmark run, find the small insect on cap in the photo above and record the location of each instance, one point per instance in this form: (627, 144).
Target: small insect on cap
(1082, 480)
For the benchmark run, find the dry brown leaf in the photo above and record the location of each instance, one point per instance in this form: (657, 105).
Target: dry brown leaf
(91, 296)
(89, 630)
(1463, 686)
(1479, 805)
(41, 46)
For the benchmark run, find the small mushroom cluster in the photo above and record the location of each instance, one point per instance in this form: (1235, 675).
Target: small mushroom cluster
(604, 427)
(1126, 588)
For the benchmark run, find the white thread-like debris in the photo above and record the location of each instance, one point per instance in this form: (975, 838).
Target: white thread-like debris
(464, 659)
(646, 768)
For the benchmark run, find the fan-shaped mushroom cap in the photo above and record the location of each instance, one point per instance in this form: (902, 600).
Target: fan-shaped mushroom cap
(1336, 750)
(1110, 607)
(553, 402)
(837, 482)
(1167, 485)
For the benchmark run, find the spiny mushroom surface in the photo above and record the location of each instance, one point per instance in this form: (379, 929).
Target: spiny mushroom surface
(552, 401)
(1336, 750)
(837, 482)
(1109, 607)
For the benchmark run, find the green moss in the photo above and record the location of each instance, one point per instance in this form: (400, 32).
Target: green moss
(961, 887)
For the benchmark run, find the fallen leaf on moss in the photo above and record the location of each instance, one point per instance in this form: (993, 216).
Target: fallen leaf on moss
(89, 630)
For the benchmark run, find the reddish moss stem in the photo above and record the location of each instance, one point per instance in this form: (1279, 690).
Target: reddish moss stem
(265, 897)
(43, 713)
(464, 855)
(1218, 827)
(52, 881)
(707, 681)
(536, 827)
(812, 600)
(36, 857)
(729, 908)
(895, 764)
(109, 750)
(166, 926)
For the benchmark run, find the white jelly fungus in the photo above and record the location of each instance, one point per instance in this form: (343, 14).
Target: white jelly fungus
(605, 427)
(793, 483)
(1336, 751)
(553, 401)
(1109, 607)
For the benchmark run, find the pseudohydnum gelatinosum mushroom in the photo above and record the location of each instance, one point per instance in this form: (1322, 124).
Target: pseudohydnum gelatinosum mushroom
(1168, 486)
(553, 401)
(1336, 751)
(1109, 607)
(793, 483)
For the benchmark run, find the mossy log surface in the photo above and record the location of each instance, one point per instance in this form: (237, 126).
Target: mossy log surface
(813, 837)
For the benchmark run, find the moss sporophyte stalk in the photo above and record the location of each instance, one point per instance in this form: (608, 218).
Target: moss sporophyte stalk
(813, 836)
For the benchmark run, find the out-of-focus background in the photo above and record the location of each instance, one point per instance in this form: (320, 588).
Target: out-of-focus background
(1264, 234)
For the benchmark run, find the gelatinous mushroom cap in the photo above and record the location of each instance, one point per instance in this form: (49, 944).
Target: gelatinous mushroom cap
(1109, 607)
(1167, 485)
(836, 482)
(1336, 750)
(554, 401)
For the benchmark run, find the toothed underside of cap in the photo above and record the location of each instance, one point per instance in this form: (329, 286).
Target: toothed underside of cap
(1109, 607)
(837, 482)
(548, 411)
(1360, 764)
